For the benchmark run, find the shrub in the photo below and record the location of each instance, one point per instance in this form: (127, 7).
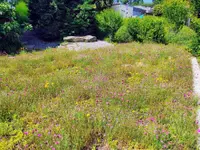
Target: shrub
(134, 28)
(158, 10)
(158, 1)
(196, 4)
(152, 29)
(195, 47)
(22, 11)
(109, 21)
(9, 29)
(184, 37)
(176, 11)
(195, 25)
(147, 29)
(122, 35)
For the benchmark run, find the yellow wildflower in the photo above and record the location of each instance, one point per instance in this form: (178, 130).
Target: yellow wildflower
(88, 115)
(46, 85)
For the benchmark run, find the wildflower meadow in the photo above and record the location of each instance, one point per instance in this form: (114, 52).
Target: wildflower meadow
(131, 96)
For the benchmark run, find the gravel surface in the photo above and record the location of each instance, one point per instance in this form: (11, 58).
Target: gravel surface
(85, 45)
(31, 41)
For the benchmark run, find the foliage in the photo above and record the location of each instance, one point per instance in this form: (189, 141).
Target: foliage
(9, 29)
(137, 2)
(158, 2)
(103, 4)
(7, 11)
(195, 25)
(22, 11)
(176, 11)
(122, 35)
(125, 97)
(147, 29)
(195, 47)
(11, 133)
(125, 1)
(184, 37)
(152, 29)
(134, 28)
(109, 21)
(55, 19)
(158, 10)
(196, 4)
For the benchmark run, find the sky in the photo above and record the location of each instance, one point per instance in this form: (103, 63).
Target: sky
(147, 1)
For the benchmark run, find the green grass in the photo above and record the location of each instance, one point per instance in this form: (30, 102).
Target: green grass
(132, 96)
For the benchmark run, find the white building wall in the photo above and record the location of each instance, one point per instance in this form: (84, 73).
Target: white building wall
(125, 11)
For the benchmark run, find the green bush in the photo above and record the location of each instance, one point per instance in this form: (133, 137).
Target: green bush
(147, 29)
(196, 4)
(176, 11)
(195, 47)
(158, 10)
(134, 28)
(184, 37)
(9, 29)
(22, 11)
(122, 35)
(158, 1)
(109, 21)
(152, 29)
(195, 25)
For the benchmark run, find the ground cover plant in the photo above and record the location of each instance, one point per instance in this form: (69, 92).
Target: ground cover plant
(131, 96)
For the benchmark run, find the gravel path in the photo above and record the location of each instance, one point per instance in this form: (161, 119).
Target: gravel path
(196, 87)
(31, 41)
(85, 45)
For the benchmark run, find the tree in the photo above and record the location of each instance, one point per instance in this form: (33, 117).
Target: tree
(9, 29)
(57, 18)
(102, 4)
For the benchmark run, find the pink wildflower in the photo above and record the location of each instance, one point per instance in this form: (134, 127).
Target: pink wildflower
(26, 133)
(152, 119)
(198, 131)
(57, 142)
(39, 135)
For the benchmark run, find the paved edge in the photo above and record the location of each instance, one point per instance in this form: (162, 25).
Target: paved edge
(196, 89)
